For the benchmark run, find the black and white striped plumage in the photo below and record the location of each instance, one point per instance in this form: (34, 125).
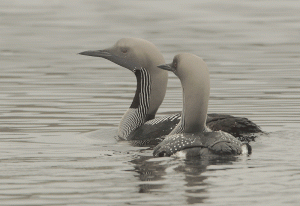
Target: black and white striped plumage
(201, 144)
(142, 58)
(153, 131)
(196, 139)
(137, 113)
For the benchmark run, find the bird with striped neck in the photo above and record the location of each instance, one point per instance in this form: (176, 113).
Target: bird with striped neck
(191, 136)
(139, 124)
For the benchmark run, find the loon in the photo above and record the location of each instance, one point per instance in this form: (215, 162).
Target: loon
(191, 136)
(139, 124)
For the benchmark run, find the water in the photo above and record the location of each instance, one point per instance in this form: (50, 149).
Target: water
(60, 110)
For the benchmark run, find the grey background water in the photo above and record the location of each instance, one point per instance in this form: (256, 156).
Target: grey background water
(52, 98)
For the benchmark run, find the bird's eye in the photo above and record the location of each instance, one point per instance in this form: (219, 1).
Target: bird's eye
(124, 50)
(175, 64)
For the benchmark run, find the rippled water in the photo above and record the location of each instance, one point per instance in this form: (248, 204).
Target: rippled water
(60, 111)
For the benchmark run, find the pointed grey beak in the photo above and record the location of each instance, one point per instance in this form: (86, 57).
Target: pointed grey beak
(167, 67)
(110, 55)
(97, 53)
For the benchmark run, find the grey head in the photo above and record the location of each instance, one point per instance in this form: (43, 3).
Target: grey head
(194, 77)
(138, 54)
(131, 53)
(188, 67)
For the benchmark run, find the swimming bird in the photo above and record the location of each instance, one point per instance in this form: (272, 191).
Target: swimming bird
(191, 135)
(139, 124)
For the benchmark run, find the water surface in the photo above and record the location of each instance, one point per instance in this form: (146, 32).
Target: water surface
(60, 110)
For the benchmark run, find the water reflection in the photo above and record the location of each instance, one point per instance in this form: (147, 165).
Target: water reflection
(148, 171)
(156, 175)
(49, 95)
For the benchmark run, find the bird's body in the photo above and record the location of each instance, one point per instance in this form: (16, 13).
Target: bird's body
(201, 144)
(191, 134)
(139, 124)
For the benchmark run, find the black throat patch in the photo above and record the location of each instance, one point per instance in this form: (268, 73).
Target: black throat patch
(136, 103)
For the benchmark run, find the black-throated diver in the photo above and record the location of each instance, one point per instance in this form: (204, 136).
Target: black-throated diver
(139, 124)
(191, 135)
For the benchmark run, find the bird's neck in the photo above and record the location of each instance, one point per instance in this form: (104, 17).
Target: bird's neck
(196, 90)
(137, 114)
(143, 88)
(194, 112)
(150, 92)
